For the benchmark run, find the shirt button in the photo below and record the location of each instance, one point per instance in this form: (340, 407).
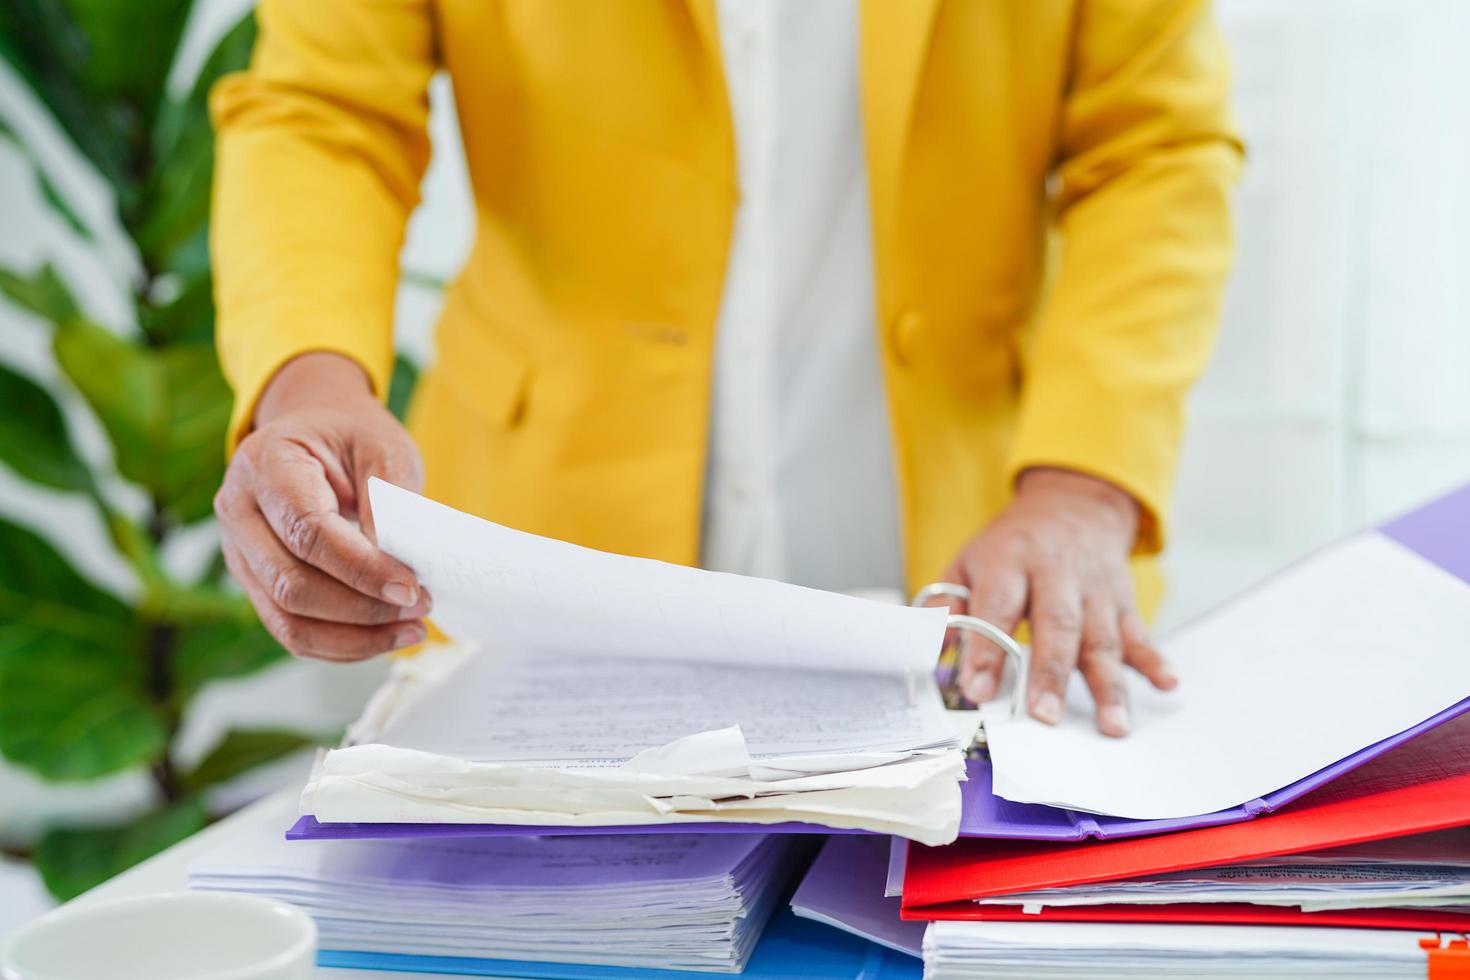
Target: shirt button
(906, 335)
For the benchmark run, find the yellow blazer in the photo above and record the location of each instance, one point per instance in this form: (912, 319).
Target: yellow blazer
(1049, 186)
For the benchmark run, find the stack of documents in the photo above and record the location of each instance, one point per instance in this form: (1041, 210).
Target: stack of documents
(1347, 648)
(1401, 815)
(980, 950)
(1429, 871)
(656, 901)
(1284, 788)
(597, 690)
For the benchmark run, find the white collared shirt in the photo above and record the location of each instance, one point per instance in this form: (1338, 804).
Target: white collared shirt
(800, 482)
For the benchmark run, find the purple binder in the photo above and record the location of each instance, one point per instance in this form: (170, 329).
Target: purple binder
(1438, 532)
(984, 814)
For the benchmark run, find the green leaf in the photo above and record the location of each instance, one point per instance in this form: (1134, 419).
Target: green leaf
(198, 415)
(41, 593)
(224, 648)
(42, 292)
(401, 385)
(53, 197)
(51, 53)
(48, 190)
(122, 384)
(130, 46)
(176, 200)
(191, 258)
(73, 700)
(33, 437)
(74, 859)
(203, 603)
(187, 318)
(73, 711)
(241, 750)
(133, 543)
(165, 410)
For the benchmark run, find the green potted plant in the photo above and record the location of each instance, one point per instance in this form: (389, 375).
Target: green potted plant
(92, 684)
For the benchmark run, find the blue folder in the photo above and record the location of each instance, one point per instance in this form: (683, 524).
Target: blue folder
(791, 949)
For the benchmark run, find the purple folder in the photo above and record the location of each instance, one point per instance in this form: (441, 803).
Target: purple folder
(1438, 532)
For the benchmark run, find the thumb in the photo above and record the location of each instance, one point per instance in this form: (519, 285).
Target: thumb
(396, 461)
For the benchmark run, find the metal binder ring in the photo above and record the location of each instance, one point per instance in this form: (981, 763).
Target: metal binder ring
(1015, 654)
(936, 589)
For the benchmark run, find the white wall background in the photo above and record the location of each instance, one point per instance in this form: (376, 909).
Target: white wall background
(1340, 392)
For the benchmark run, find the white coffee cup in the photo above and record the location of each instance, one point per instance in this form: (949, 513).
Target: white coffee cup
(167, 936)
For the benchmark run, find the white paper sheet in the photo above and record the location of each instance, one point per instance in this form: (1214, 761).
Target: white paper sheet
(456, 700)
(1356, 643)
(954, 950)
(1306, 886)
(918, 799)
(527, 594)
(599, 711)
(898, 866)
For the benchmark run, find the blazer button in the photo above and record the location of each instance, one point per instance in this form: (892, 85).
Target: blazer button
(906, 335)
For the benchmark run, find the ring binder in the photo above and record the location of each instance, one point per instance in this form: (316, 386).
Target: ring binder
(1015, 653)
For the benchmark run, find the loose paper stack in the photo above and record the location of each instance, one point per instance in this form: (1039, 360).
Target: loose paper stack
(665, 901)
(601, 690)
(1344, 675)
(1429, 871)
(981, 950)
(1378, 809)
(1346, 648)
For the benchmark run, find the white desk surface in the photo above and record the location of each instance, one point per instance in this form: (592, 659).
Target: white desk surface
(169, 870)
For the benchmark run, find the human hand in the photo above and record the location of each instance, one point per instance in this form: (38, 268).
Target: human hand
(319, 583)
(1058, 557)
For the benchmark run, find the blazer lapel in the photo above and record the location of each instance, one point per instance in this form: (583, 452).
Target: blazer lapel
(706, 25)
(893, 47)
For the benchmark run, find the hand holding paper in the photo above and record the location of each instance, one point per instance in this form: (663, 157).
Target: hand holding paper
(671, 694)
(317, 582)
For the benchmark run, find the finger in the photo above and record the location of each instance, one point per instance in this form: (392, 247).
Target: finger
(1056, 635)
(299, 588)
(315, 638)
(956, 575)
(997, 596)
(1140, 653)
(1101, 663)
(399, 464)
(301, 508)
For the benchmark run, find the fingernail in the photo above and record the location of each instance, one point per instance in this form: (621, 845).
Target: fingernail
(1048, 708)
(1112, 719)
(408, 636)
(981, 688)
(399, 594)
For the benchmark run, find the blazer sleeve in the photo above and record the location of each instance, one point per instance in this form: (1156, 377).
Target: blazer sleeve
(321, 146)
(1146, 157)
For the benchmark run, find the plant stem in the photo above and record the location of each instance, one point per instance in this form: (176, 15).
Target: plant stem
(16, 853)
(162, 638)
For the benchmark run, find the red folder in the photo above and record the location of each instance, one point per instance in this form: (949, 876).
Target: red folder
(1221, 913)
(1420, 786)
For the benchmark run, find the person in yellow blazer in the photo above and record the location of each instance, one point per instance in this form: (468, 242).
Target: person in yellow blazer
(1045, 237)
